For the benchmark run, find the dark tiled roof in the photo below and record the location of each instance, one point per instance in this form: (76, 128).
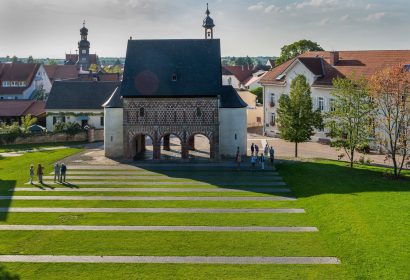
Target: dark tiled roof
(231, 99)
(18, 108)
(17, 72)
(314, 64)
(69, 95)
(115, 100)
(150, 65)
(74, 58)
(359, 63)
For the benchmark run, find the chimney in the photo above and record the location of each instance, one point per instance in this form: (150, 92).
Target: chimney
(334, 58)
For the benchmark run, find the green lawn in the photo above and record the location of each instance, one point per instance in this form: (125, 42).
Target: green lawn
(32, 147)
(363, 219)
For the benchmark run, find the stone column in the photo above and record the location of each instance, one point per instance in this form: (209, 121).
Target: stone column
(191, 143)
(167, 143)
(184, 151)
(157, 150)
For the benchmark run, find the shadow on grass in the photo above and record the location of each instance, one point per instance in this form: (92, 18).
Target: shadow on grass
(5, 275)
(305, 179)
(6, 189)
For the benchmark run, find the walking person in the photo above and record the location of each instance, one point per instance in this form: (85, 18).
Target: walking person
(253, 162)
(272, 155)
(56, 172)
(63, 172)
(252, 149)
(262, 161)
(238, 159)
(266, 151)
(40, 171)
(31, 174)
(256, 150)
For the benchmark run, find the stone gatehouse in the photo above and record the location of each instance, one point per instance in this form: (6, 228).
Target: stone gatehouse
(174, 87)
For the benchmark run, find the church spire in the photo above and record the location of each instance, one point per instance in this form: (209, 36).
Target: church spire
(208, 24)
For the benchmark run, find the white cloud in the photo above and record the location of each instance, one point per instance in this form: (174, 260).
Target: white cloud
(375, 17)
(344, 18)
(323, 22)
(316, 3)
(257, 7)
(272, 9)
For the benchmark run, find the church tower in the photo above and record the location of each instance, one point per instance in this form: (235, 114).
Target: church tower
(84, 49)
(208, 24)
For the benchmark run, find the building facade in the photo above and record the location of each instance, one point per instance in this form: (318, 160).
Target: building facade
(320, 68)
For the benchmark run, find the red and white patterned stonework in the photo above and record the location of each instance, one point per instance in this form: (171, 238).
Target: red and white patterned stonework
(160, 117)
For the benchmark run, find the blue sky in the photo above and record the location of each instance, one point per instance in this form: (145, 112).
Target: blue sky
(49, 28)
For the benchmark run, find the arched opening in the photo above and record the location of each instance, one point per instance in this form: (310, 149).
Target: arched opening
(142, 147)
(199, 146)
(171, 147)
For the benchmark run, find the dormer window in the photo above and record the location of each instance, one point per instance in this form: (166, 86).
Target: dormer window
(174, 77)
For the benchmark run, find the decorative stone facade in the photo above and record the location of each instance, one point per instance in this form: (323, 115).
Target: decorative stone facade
(160, 117)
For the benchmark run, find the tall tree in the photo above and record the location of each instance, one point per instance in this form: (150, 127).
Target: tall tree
(296, 118)
(390, 89)
(30, 59)
(27, 121)
(14, 59)
(297, 48)
(349, 119)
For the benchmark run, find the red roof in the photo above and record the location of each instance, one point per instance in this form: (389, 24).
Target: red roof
(74, 58)
(18, 108)
(19, 72)
(61, 72)
(360, 63)
(242, 73)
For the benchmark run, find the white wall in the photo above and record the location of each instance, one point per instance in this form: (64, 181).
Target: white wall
(113, 132)
(232, 123)
(93, 120)
(278, 90)
(234, 81)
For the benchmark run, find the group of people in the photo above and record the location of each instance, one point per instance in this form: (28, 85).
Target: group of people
(267, 152)
(60, 171)
(255, 157)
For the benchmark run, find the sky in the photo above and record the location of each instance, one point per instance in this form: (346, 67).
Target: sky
(50, 28)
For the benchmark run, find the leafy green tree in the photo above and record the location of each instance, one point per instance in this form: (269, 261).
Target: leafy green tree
(296, 118)
(14, 59)
(93, 68)
(259, 93)
(30, 59)
(297, 48)
(349, 119)
(52, 62)
(27, 121)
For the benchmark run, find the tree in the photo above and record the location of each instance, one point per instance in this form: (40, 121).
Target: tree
(259, 93)
(51, 62)
(297, 48)
(14, 59)
(349, 119)
(27, 121)
(93, 68)
(30, 59)
(296, 118)
(390, 89)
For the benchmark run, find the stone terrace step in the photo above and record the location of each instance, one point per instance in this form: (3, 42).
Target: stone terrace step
(148, 183)
(168, 259)
(216, 190)
(155, 228)
(149, 198)
(146, 210)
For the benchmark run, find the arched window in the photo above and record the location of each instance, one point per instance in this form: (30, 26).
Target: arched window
(142, 112)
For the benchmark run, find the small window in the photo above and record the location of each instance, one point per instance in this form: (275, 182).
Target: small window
(332, 105)
(321, 104)
(84, 51)
(174, 77)
(273, 119)
(198, 112)
(142, 112)
(102, 121)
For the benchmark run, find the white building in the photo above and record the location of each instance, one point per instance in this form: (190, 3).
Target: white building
(320, 68)
(22, 80)
(78, 102)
